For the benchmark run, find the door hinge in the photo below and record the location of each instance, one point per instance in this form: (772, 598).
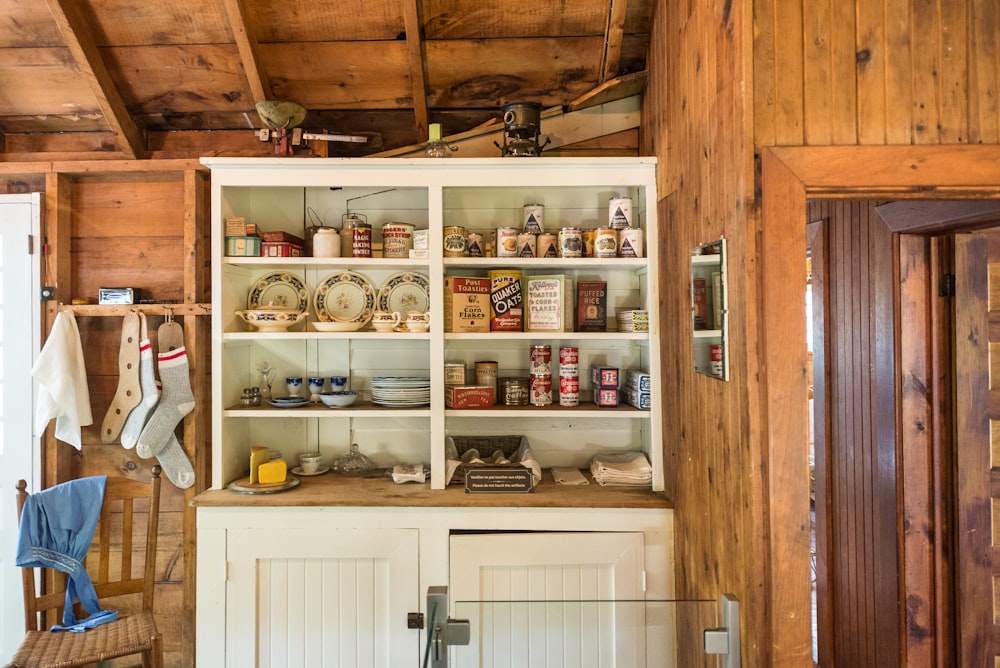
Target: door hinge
(946, 286)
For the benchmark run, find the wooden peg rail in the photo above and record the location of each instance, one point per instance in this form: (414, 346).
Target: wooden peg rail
(99, 310)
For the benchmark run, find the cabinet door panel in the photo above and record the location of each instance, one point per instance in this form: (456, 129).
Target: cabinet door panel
(321, 598)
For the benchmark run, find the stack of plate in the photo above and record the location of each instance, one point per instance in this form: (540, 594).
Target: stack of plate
(633, 321)
(401, 391)
(289, 402)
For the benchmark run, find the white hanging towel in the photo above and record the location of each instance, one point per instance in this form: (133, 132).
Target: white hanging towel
(62, 382)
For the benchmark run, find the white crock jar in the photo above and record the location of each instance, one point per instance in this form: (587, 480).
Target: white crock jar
(326, 243)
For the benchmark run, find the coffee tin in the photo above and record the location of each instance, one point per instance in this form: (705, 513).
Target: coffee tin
(606, 242)
(540, 358)
(526, 244)
(620, 212)
(569, 391)
(455, 239)
(505, 242)
(533, 215)
(540, 390)
(547, 245)
(397, 239)
(514, 390)
(570, 242)
(630, 242)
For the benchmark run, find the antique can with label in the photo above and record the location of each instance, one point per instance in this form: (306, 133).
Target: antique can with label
(569, 361)
(620, 212)
(533, 214)
(455, 240)
(547, 245)
(486, 375)
(715, 357)
(475, 244)
(606, 242)
(526, 244)
(540, 360)
(454, 373)
(630, 242)
(397, 239)
(589, 242)
(540, 390)
(570, 242)
(505, 242)
(569, 391)
(514, 391)
(361, 234)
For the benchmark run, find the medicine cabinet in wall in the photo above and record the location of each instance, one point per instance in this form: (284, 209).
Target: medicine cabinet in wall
(710, 309)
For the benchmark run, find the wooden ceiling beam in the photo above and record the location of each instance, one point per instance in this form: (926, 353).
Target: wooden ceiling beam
(613, 36)
(80, 41)
(415, 50)
(246, 44)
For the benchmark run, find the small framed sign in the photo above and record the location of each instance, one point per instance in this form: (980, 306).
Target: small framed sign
(498, 480)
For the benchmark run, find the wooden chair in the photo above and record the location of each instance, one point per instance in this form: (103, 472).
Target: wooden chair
(130, 634)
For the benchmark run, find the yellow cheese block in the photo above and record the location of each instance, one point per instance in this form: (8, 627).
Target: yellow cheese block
(258, 455)
(272, 472)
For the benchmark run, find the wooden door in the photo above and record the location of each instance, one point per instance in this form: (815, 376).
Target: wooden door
(322, 597)
(977, 445)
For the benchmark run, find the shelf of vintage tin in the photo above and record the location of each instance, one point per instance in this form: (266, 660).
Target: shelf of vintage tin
(558, 336)
(583, 410)
(356, 410)
(113, 310)
(546, 262)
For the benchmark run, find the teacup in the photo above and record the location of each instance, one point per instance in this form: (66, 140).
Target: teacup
(316, 385)
(385, 321)
(338, 383)
(418, 322)
(294, 384)
(309, 461)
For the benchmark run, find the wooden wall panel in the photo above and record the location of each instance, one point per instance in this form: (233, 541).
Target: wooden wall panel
(875, 72)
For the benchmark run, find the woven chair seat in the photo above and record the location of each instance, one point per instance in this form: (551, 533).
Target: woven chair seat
(44, 649)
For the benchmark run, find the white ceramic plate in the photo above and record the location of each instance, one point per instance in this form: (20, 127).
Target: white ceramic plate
(346, 296)
(320, 471)
(335, 326)
(279, 289)
(404, 292)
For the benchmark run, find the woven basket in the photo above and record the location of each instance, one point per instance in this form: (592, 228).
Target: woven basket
(457, 446)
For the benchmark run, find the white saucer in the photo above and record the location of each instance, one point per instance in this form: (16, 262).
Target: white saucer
(320, 471)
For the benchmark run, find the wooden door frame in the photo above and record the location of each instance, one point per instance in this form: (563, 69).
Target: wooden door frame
(789, 176)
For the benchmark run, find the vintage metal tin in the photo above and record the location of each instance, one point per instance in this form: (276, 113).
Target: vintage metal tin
(570, 242)
(569, 361)
(606, 242)
(547, 245)
(620, 212)
(475, 244)
(569, 391)
(526, 243)
(715, 357)
(361, 240)
(397, 239)
(540, 359)
(540, 390)
(454, 373)
(514, 391)
(486, 375)
(506, 300)
(533, 218)
(455, 240)
(630, 242)
(505, 242)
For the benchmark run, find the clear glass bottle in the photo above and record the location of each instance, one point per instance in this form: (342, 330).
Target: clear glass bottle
(436, 148)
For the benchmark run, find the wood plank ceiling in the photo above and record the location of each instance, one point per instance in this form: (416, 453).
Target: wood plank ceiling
(120, 78)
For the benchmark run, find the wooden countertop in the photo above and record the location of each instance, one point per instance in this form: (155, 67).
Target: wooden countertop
(331, 489)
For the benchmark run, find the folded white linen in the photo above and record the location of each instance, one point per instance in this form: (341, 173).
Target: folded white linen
(621, 468)
(63, 393)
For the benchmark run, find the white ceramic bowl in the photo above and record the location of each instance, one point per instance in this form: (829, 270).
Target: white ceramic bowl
(271, 319)
(336, 326)
(338, 399)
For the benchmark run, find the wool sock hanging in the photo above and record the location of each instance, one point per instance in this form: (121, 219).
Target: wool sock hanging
(172, 458)
(150, 396)
(176, 401)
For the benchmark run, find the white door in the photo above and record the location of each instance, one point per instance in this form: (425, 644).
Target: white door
(336, 598)
(561, 587)
(20, 324)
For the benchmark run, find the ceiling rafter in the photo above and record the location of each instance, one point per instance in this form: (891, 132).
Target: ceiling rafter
(613, 37)
(246, 44)
(415, 50)
(79, 40)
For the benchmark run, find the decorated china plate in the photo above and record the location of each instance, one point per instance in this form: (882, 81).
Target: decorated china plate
(346, 296)
(404, 292)
(279, 289)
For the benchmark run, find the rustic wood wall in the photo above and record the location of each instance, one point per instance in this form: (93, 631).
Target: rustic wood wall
(725, 80)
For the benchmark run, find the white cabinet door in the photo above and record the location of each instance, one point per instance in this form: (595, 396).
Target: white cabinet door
(554, 567)
(323, 597)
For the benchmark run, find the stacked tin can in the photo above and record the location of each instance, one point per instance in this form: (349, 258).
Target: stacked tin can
(540, 375)
(569, 376)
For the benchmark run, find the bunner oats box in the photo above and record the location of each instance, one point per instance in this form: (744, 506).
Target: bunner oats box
(466, 304)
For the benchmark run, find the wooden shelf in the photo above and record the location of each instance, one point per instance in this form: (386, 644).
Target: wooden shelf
(117, 310)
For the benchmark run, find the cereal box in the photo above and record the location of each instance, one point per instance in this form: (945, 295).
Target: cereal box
(466, 304)
(549, 307)
(506, 300)
(592, 306)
